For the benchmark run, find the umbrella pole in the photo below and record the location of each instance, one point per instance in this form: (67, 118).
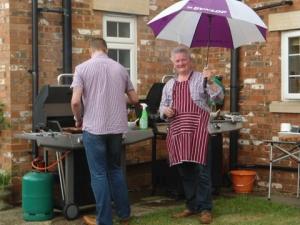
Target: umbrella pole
(206, 66)
(207, 51)
(208, 41)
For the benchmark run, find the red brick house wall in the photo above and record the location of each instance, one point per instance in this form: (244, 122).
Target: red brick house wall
(5, 78)
(260, 84)
(259, 68)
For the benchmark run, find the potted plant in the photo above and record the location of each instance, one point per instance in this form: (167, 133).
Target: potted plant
(5, 189)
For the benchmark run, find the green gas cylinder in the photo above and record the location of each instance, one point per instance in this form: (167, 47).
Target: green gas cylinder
(37, 196)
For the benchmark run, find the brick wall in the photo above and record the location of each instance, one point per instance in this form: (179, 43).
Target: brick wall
(259, 67)
(260, 84)
(16, 86)
(5, 156)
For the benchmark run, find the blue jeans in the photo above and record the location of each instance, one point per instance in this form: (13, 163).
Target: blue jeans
(103, 154)
(196, 182)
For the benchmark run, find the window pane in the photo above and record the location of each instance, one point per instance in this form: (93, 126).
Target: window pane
(112, 29)
(113, 54)
(294, 45)
(124, 30)
(294, 65)
(120, 55)
(294, 85)
(124, 57)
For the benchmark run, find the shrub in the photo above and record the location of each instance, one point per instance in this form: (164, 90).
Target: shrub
(5, 178)
(3, 123)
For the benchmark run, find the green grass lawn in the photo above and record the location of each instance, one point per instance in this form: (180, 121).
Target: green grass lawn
(238, 210)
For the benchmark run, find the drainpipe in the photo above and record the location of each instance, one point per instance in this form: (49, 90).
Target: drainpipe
(234, 94)
(35, 66)
(234, 100)
(67, 36)
(35, 53)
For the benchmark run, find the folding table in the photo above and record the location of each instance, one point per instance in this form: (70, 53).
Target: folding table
(288, 149)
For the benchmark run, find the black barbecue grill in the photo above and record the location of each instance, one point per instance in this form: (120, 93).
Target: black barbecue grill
(53, 127)
(54, 130)
(53, 104)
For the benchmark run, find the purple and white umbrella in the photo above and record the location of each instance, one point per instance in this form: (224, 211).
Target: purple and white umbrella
(216, 23)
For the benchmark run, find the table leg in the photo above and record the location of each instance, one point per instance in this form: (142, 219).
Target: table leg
(153, 165)
(46, 159)
(298, 177)
(270, 172)
(69, 178)
(61, 176)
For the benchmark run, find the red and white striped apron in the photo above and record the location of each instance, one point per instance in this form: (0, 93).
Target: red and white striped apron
(187, 137)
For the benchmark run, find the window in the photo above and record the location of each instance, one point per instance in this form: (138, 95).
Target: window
(120, 35)
(290, 65)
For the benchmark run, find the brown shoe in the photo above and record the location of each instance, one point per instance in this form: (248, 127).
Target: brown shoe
(125, 221)
(205, 217)
(184, 213)
(90, 220)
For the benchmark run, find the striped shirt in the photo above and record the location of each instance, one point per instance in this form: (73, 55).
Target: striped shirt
(104, 83)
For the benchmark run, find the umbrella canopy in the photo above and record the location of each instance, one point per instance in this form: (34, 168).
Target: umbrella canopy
(217, 23)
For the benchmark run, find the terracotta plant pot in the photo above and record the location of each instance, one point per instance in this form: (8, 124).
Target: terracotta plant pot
(243, 180)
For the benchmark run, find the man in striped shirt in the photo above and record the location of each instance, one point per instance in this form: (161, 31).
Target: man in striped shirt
(99, 107)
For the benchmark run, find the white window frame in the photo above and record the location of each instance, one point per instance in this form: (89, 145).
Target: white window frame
(285, 65)
(124, 43)
(132, 57)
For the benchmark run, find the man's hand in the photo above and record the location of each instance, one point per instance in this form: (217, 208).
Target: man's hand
(78, 124)
(208, 72)
(76, 106)
(169, 112)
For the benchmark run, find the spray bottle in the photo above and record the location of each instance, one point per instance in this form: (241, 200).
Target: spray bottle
(144, 117)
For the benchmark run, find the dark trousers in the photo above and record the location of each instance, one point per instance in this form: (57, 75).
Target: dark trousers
(196, 181)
